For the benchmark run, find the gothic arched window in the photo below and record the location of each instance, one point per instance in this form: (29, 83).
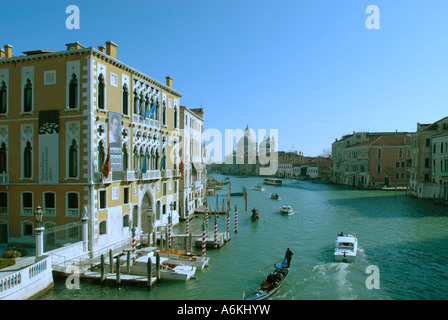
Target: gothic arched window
(73, 93)
(73, 160)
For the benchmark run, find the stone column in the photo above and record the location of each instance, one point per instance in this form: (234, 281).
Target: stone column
(85, 230)
(39, 235)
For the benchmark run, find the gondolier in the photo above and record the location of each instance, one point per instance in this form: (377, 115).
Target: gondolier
(288, 256)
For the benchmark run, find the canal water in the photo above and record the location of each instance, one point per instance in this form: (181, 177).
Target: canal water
(405, 239)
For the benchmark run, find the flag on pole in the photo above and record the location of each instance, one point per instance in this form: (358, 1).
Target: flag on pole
(144, 166)
(181, 168)
(162, 162)
(151, 111)
(106, 167)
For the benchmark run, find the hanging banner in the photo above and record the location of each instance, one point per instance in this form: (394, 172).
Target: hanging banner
(116, 148)
(49, 146)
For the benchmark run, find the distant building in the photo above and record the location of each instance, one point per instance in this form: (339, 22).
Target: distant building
(371, 160)
(427, 160)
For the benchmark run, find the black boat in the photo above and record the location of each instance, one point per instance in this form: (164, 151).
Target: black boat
(272, 283)
(255, 215)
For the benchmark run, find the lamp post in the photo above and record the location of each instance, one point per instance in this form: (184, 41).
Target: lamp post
(39, 231)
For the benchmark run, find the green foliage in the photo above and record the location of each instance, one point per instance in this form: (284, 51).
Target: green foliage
(13, 252)
(6, 263)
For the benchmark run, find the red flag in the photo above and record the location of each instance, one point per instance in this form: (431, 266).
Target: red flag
(181, 168)
(106, 167)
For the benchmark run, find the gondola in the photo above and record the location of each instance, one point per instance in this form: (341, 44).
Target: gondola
(272, 282)
(255, 215)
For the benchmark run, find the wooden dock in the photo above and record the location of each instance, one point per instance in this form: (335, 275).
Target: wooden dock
(222, 237)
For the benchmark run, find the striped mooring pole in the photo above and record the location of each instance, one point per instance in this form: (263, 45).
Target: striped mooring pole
(236, 219)
(204, 243)
(206, 216)
(187, 226)
(169, 231)
(228, 221)
(216, 230)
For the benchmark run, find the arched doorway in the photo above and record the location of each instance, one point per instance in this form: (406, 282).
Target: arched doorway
(147, 215)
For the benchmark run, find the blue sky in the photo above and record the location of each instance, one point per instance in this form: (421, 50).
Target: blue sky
(310, 69)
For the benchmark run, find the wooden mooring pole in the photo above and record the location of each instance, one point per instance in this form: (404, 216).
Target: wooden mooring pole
(149, 273)
(111, 261)
(158, 266)
(118, 270)
(103, 269)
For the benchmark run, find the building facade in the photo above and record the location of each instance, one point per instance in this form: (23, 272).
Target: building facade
(427, 177)
(194, 177)
(82, 133)
(371, 160)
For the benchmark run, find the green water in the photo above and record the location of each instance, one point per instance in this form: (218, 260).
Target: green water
(406, 238)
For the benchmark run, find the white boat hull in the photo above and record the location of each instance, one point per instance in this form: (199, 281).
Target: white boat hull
(346, 248)
(340, 257)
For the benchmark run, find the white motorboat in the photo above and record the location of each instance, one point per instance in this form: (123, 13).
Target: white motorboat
(185, 257)
(286, 209)
(168, 270)
(258, 188)
(346, 247)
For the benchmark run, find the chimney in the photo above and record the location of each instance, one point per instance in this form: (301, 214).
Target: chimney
(169, 81)
(2, 53)
(8, 51)
(102, 49)
(111, 49)
(74, 46)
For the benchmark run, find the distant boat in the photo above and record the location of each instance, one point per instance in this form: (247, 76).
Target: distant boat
(274, 196)
(294, 181)
(273, 181)
(346, 247)
(286, 209)
(258, 188)
(255, 215)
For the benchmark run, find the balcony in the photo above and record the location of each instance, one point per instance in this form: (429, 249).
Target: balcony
(148, 122)
(100, 178)
(165, 174)
(151, 175)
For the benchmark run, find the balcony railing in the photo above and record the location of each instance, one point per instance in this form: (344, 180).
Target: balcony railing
(152, 123)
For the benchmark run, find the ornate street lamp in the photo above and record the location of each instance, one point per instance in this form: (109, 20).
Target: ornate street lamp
(38, 215)
(39, 232)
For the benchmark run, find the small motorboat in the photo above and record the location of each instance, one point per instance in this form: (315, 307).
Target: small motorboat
(286, 209)
(258, 188)
(346, 247)
(255, 215)
(168, 269)
(273, 281)
(187, 258)
(274, 196)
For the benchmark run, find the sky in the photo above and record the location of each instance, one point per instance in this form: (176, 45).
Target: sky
(310, 69)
